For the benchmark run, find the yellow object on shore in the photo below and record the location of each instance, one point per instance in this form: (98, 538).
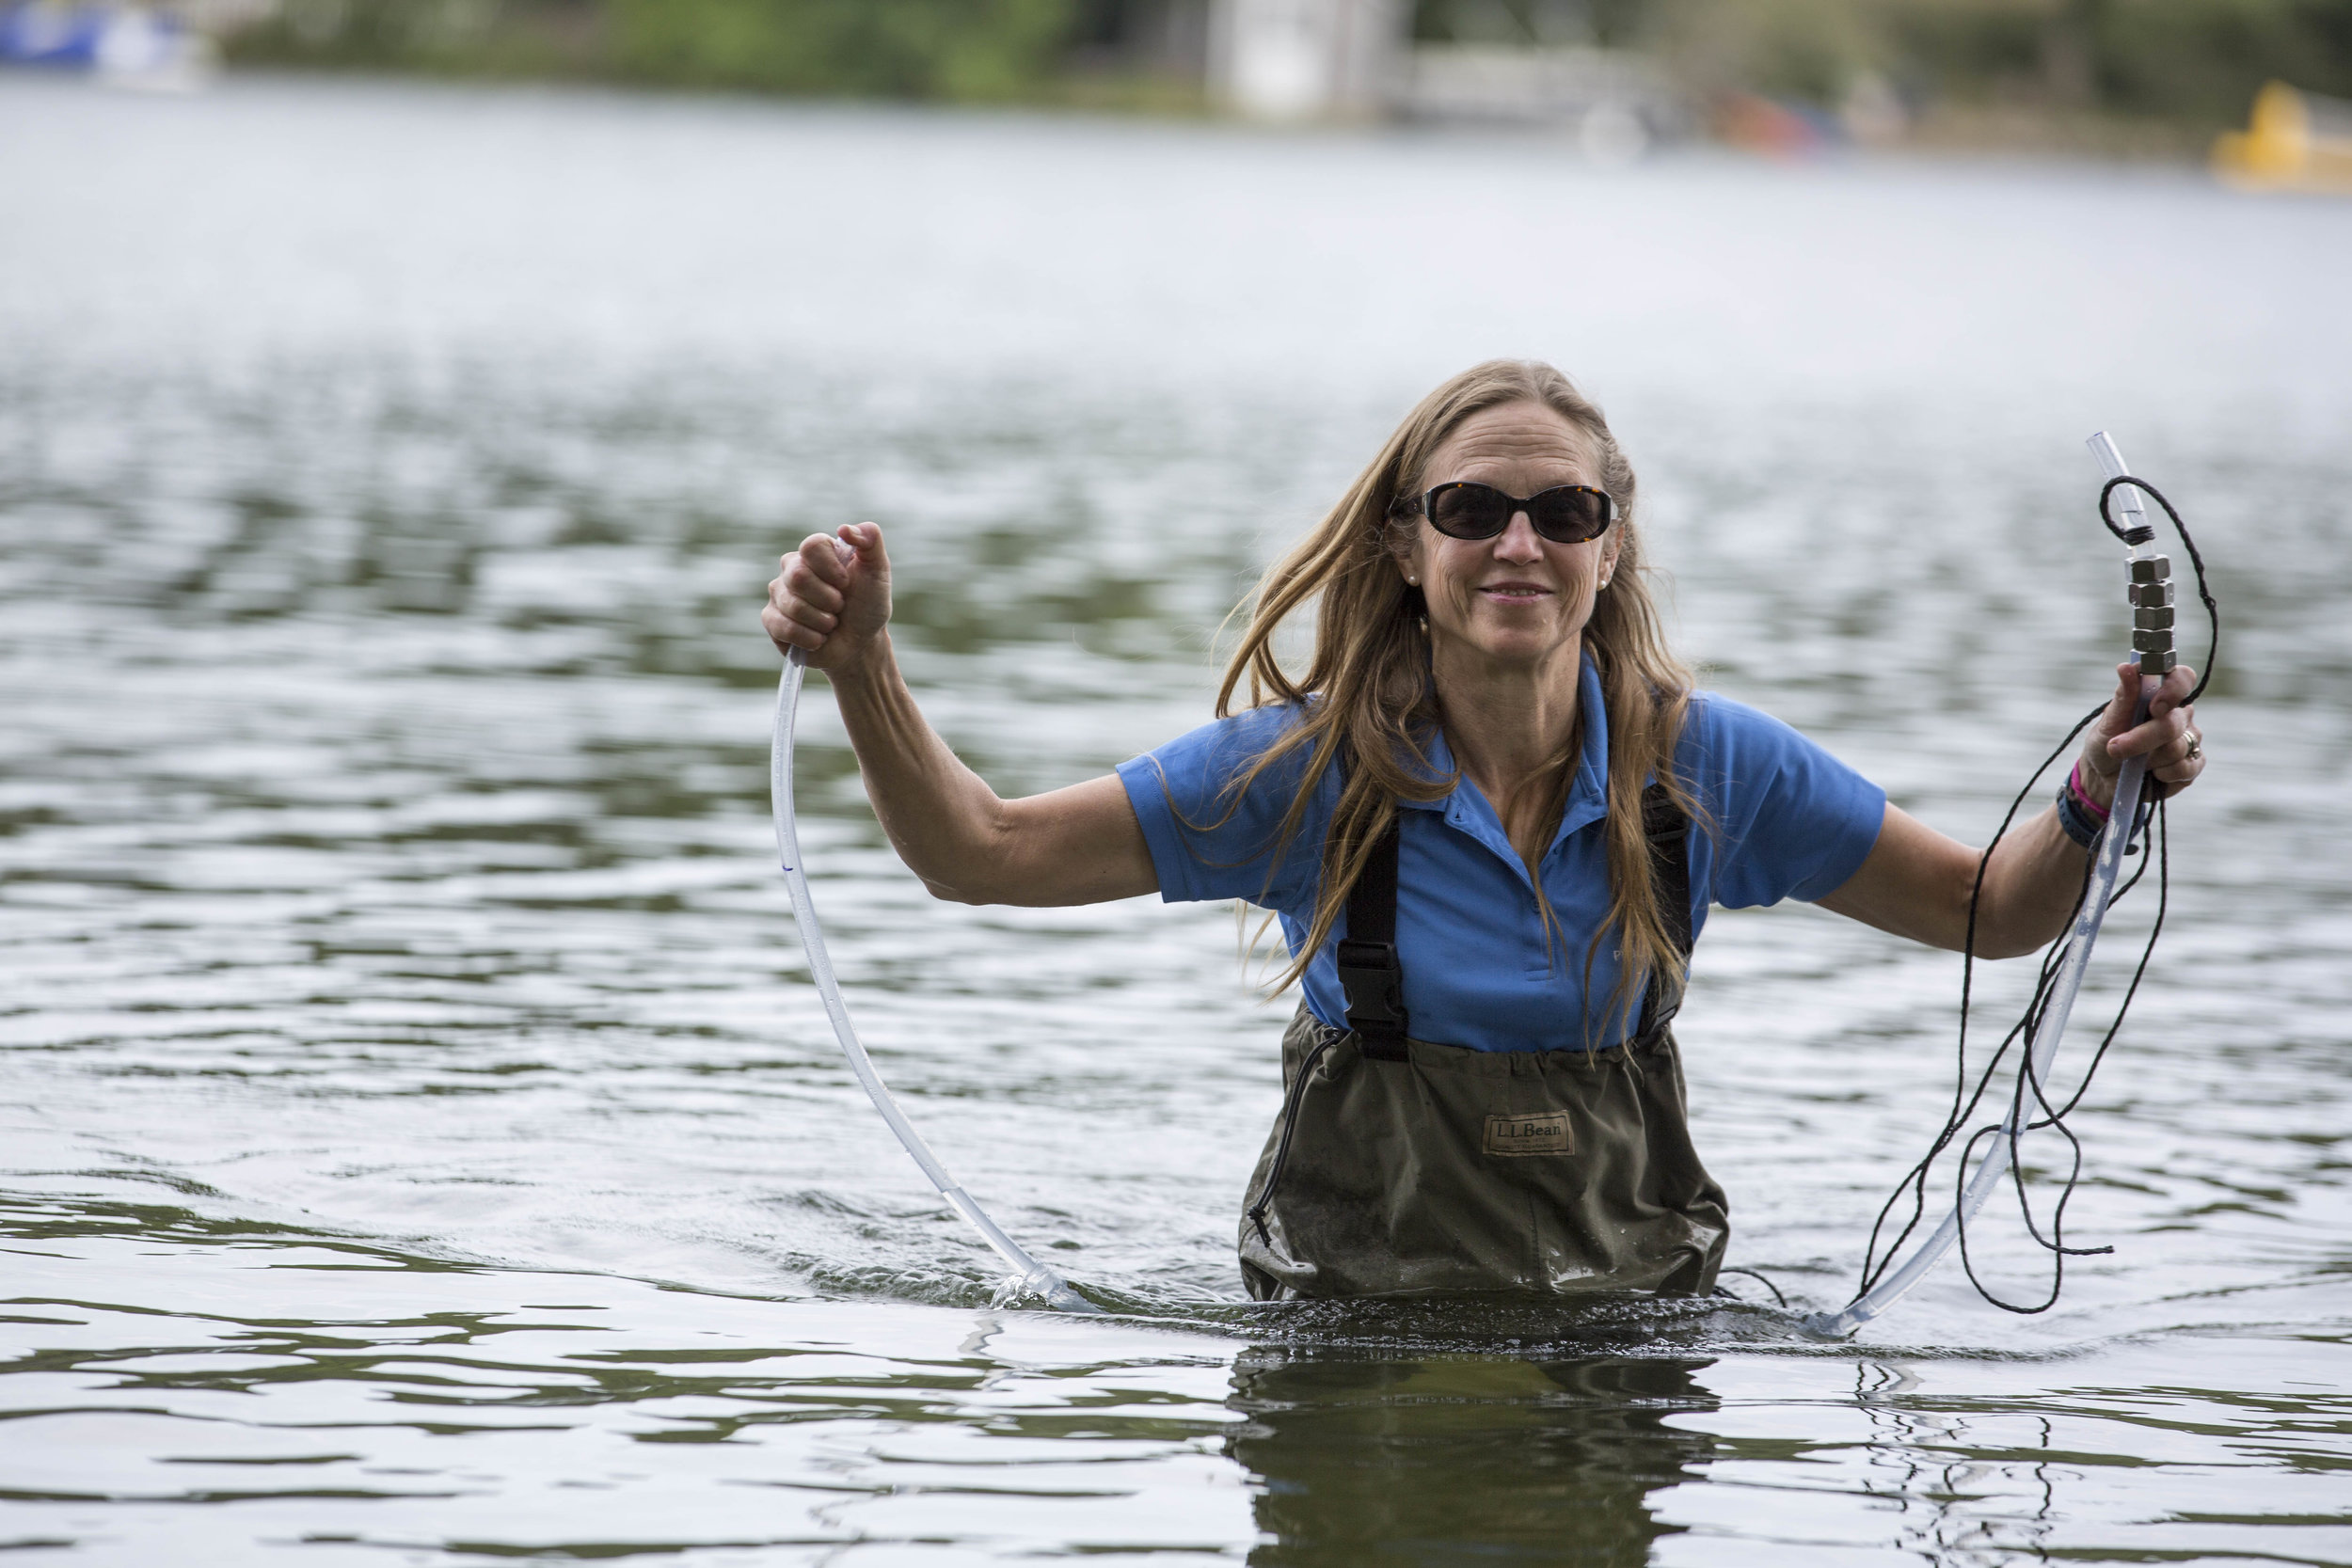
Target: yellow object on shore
(2294, 141)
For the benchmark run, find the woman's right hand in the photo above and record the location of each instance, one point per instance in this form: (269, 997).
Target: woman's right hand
(830, 597)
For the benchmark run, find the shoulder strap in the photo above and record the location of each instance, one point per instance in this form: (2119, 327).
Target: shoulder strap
(1370, 972)
(1668, 831)
(1373, 977)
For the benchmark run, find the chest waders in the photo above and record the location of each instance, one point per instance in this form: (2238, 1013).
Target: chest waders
(1405, 1168)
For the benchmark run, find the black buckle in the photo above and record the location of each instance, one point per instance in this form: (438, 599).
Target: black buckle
(1374, 983)
(1657, 1016)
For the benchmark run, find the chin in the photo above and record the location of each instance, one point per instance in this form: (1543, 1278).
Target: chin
(1509, 649)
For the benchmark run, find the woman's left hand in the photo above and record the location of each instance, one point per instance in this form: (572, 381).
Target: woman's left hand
(2168, 738)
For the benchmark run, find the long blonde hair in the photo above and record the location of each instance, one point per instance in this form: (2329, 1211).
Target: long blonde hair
(1374, 712)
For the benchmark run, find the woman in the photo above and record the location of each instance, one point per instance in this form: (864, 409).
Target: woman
(1492, 814)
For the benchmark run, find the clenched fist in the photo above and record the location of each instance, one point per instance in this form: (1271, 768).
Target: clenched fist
(830, 597)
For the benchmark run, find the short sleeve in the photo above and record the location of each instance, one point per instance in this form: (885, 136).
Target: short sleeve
(1793, 821)
(1209, 842)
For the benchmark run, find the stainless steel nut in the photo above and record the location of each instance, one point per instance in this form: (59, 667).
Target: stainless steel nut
(2148, 593)
(2153, 641)
(2156, 663)
(2149, 617)
(2155, 568)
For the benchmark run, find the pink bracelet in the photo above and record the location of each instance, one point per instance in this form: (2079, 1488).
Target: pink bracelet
(2082, 797)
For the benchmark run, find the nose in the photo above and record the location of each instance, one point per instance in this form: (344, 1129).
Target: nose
(1518, 540)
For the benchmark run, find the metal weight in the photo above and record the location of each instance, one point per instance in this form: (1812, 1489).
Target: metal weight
(2149, 594)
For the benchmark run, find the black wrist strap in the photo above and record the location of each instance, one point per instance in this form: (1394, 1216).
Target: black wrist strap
(2074, 822)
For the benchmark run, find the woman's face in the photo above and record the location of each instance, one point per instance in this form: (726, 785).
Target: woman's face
(1518, 598)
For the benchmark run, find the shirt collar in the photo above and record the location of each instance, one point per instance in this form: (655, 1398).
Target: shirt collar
(1588, 792)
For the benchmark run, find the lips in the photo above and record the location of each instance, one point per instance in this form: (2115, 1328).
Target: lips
(1515, 592)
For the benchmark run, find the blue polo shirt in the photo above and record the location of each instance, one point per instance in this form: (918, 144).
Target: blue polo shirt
(1791, 820)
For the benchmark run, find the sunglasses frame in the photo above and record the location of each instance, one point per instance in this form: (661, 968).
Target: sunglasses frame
(1424, 505)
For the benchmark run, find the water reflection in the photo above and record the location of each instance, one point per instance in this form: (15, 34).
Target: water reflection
(1360, 1457)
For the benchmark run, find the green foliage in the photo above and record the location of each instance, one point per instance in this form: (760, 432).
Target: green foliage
(2191, 60)
(523, 38)
(2203, 58)
(945, 49)
(956, 49)
(1611, 24)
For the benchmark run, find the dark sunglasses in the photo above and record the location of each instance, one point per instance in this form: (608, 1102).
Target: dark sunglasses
(1565, 515)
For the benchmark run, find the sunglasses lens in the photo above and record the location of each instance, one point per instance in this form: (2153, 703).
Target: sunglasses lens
(1468, 510)
(1566, 515)
(1569, 515)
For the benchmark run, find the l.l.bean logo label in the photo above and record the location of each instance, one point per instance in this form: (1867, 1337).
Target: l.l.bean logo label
(1535, 1132)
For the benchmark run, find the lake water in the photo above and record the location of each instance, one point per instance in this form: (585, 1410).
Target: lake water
(419, 1141)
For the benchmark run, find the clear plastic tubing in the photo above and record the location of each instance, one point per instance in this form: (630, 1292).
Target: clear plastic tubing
(1033, 1278)
(2041, 1050)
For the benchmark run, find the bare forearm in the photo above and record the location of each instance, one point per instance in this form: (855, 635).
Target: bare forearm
(2030, 887)
(830, 604)
(942, 818)
(1916, 883)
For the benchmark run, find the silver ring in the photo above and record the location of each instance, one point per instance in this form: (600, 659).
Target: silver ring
(2196, 747)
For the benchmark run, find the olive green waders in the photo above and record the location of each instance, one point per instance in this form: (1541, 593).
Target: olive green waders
(1403, 1167)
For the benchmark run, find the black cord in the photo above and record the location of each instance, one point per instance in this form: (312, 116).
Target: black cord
(1878, 1260)
(1779, 1299)
(2212, 611)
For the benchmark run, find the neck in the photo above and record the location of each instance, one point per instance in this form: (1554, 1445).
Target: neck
(1508, 725)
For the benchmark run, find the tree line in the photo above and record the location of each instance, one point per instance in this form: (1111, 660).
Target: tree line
(2193, 62)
